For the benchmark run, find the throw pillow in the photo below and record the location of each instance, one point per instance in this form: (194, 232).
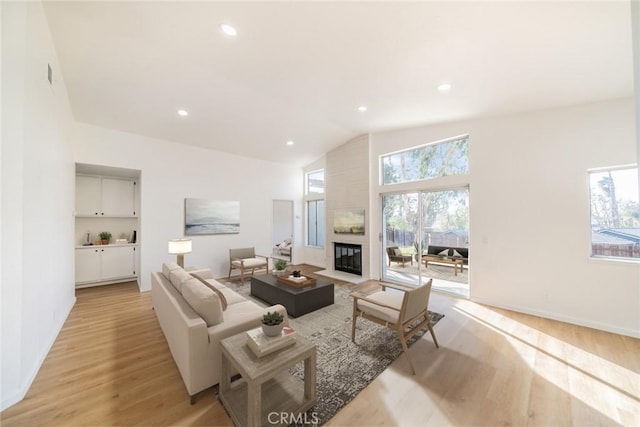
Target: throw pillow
(204, 301)
(444, 253)
(397, 252)
(167, 268)
(223, 299)
(456, 253)
(178, 277)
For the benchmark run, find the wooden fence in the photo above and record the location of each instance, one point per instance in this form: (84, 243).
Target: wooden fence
(615, 250)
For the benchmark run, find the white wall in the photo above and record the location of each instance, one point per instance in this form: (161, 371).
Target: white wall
(172, 172)
(529, 203)
(37, 287)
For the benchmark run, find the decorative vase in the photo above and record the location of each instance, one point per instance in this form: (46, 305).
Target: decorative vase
(280, 272)
(105, 242)
(272, 330)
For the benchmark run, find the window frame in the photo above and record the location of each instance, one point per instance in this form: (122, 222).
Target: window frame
(314, 197)
(318, 226)
(591, 255)
(382, 157)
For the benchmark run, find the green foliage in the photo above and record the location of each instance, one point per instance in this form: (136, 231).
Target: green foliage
(281, 265)
(105, 235)
(272, 319)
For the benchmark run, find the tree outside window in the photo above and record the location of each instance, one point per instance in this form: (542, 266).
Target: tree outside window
(615, 213)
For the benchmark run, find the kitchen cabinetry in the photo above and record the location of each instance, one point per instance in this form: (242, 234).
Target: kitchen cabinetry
(103, 196)
(105, 263)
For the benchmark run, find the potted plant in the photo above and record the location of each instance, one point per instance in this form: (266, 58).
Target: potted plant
(105, 236)
(280, 266)
(418, 248)
(272, 324)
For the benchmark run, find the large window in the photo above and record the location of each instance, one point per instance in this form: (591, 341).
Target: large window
(434, 160)
(314, 198)
(315, 223)
(615, 213)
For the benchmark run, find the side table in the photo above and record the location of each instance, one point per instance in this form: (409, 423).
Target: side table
(266, 391)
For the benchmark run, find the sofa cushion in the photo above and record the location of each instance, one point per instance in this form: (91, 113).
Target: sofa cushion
(178, 277)
(456, 253)
(167, 268)
(223, 299)
(444, 252)
(397, 252)
(232, 297)
(203, 300)
(250, 262)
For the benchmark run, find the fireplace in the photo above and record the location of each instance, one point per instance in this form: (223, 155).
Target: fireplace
(348, 258)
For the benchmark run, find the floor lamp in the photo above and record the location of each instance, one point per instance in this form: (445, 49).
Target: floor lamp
(180, 247)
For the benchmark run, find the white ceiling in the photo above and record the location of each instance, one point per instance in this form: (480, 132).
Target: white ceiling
(298, 70)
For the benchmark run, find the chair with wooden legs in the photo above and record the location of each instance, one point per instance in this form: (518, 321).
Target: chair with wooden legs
(405, 312)
(245, 259)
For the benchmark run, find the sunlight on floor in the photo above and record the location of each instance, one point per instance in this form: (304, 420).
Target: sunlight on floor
(573, 370)
(442, 285)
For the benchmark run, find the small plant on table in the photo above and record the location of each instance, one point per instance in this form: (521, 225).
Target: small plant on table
(272, 323)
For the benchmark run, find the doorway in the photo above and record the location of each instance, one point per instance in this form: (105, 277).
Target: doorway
(425, 231)
(282, 226)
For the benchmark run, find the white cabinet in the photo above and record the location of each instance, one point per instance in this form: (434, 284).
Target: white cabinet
(118, 262)
(88, 195)
(87, 265)
(105, 263)
(102, 196)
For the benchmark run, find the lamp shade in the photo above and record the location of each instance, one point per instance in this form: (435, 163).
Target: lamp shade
(180, 246)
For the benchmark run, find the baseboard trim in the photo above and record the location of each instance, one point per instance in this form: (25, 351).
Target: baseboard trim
(19, 394)
(562, 318)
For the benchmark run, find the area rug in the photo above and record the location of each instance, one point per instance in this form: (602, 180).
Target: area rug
(343, 368)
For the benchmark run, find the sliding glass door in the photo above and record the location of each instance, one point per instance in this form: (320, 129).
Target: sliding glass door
(433, 228)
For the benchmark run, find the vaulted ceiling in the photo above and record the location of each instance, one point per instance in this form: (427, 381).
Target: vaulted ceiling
(298, 71)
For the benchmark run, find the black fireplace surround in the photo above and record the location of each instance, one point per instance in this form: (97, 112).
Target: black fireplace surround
(347, 258)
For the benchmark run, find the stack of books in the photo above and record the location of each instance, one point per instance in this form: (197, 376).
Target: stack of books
(262, 345)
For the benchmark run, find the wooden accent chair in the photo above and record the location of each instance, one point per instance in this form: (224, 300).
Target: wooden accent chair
(245, 259)
(394, 254)
(405, 312)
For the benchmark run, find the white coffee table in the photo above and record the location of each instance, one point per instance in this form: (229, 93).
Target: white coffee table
(266, 389)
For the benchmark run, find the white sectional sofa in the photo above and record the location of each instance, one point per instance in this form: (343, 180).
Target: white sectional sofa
(193, 319)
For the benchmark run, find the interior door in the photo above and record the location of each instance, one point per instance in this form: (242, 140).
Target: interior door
(282, 227)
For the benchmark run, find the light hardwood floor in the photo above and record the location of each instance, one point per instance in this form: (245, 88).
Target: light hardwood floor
(111, 366)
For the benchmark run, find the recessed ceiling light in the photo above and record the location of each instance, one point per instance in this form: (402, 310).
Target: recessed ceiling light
(443, 87)
(228, 30)
(289, 143)
(183, 113)
(362, 108)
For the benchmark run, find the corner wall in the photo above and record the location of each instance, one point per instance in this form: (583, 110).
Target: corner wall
(37, 289)
(529, 204)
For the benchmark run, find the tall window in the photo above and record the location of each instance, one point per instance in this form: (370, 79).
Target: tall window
(615, 213)
(429, 161)
(315, 223)
(314, 186)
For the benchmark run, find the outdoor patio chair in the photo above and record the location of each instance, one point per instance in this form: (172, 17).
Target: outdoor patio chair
(245, 259)
(405, 312)
(395, 254)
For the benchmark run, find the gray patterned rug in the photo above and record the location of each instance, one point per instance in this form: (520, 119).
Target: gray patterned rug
(344, 368)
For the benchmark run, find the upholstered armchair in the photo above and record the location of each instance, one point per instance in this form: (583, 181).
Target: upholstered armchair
(395, 254)
(245, 259)
(405, 312)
